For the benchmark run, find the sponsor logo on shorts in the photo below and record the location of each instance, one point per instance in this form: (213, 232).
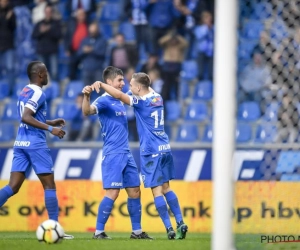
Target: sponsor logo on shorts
(116, 184)
(164, 147)
(22, 143)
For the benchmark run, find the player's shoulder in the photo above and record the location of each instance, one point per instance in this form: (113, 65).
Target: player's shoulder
(34, 91)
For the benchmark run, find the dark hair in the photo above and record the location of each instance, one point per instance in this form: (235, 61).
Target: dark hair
(142, 78)
(111, 73)
(32, 68)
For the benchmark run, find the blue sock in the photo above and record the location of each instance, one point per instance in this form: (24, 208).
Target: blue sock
(5, 193)
(104, 211)
(135, 211)
(51, 204)
(161, 207)
(172, 201)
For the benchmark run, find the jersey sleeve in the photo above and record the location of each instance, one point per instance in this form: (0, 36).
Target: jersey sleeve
(136, 101)
(99, 104)
(36, 100)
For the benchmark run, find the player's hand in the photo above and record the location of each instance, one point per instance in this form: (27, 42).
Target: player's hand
(96, 86)
(58, 122)
(58, 132)
(87, 90)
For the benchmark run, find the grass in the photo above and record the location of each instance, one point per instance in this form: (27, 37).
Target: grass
(83, 241)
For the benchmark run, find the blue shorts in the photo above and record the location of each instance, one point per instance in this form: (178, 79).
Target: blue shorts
(157, 169)
(120, 171)
(39, 159)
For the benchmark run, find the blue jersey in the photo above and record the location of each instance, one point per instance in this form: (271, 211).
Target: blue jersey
(29, 137)
(113, 122)
(149, 113)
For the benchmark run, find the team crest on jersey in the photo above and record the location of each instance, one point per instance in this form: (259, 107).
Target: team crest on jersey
(156, 101)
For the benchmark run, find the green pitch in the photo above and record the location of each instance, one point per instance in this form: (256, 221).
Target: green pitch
(83, 241)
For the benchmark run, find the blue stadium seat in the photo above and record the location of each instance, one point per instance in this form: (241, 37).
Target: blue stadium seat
(127, 29)
(271, 113)
(72, 89)
(245, 48)
(168, 131)
(189, 70)
(265, 133)
(65, 110)
(203, 91)
(262, 10)
(4, 89)
(111, 12)
(290, 177)
(184, 89)
(249, 111)
(252, 29)
(278, 31)
(20, 84)
(187, 133)
(243, 132)
(208, 133)
(196, 111)
(173, 110)
(7, 132)
(106, 29)
(288, 161)
(10, 112)
(52, 91)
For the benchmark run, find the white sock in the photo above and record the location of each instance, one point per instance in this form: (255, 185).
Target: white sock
(98, 232)
(137, 232)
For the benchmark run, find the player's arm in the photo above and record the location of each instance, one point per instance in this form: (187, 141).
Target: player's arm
(28, 118)
(112, 91)
(87, 108)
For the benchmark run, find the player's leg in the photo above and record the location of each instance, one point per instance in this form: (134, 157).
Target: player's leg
(131, 182)
(20, 165)
(42, 164)
(112, 183)
(152, 177)
(172, 200)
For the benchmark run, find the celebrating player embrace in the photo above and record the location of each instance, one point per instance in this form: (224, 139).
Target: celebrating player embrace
(157, 165)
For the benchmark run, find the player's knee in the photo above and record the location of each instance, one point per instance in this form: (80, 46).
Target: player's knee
(166, 190)
(112, 193)
(49, 185)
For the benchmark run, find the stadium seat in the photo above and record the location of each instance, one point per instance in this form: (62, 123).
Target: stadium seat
(243, 132)
(106, 29)
(187, 133)
(127, 29)
(7, 132)
(111, 12)
(189, 70)
(173, 110)
(208, 133)
(72, 89)
(290, 177)
(196, 111)
(10, 112)
(183, 89)
(265, 133)
(262, 10)
(271, 113)
(4, 89)
(288, 161)
(252, 29)
(203, 91)
(278, 31)
(249, 111)
(52, 91)
(245, 48)
(65, 110)
(20, 84)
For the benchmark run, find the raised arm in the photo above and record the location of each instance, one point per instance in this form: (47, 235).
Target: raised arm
(87, 108)
(112, 91)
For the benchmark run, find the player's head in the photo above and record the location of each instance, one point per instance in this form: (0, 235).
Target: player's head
(37, 73)
(114, 77)
(140, 81)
